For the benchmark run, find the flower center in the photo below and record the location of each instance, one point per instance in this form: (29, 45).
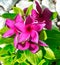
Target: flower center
(29, 28)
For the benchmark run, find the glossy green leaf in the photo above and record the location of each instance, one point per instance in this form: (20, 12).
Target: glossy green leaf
(9, 15)
(19, 54)
(47, 62)
(42, 62)
(43, 35)
(10, 48)
(18, 10)
(34, 59)
(49, 54)
(54, 15)
(53, 41)
(28, 12)
(21, 59)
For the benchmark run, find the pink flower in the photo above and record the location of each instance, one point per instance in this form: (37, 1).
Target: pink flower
(29, 30)
(29, 45)
(42, 15)
(29, 35)
(11, 24)
(26, 33)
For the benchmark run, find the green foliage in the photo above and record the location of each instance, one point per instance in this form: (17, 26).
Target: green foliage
(28, 12)
(49, 54)
(42, 62)
(58, 62)
(10, 56)
(2, 31)
(54, 15)
(8, 53)
(54, 42)
(16, 63)
(7, 50)
(6, 40)
(24, 63)
(18, 10)
(9, 15)
(43, 35)
(34, 59)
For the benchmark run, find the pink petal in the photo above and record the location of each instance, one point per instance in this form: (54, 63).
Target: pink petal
(29, 20)
(23, 37)
(47, 13)
(41, 43)
(8, 33)
(20, 26)
(38, 26)
(34, 36)
(48, 24)
(38, 7)
(16, 40)
(10, 23)
(23, 46)
(34, 14)
(18, 18)
(33, 48)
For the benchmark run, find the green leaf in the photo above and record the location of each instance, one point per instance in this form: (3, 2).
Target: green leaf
(19, 54)
(28, 12)
(18, 10)
(6, 40)
(16, 63)
(34, 59)
(53, 40)
(9, 48)
(49, 54)
(9, 15)
(47, 62)
(24, 63)
(58, 62)
(20, 57)
(54, 15)
(2, 31)
(43, 35)
(42, 62)
(8, 60)
(0, 36)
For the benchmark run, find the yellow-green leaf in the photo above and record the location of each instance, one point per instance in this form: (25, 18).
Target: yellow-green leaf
(18, 10)
(43, 35)
(28, 12)
(49, 54)
(42, 62)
